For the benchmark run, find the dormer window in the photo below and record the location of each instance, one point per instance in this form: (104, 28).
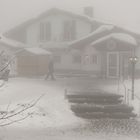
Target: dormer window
(45, 31)
(69, 32)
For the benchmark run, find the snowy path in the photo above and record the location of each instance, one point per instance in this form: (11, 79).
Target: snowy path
(52, 118)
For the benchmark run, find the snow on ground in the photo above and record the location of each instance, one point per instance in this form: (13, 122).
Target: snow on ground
(52, 118)
(52, 105)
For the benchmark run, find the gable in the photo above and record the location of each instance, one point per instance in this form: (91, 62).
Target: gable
(102, 32)
(19, 32)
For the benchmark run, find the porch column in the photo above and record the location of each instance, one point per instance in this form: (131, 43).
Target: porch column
(103, 64)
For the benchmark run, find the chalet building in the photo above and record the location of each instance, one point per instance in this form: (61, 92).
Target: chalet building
(80, 43)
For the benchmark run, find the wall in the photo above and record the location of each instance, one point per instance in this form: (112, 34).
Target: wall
(67, 62)
(82, 29)
(89, 66)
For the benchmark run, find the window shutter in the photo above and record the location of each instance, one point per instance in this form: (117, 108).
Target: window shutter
(66, 31)
(69, 32)
(48, 31)
(41, 32)
(73, 29)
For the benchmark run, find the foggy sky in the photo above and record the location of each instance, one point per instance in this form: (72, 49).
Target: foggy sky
(125, 13)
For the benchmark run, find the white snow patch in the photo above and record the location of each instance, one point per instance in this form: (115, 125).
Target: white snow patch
(37, 51)
(118, 36)
(11, 43)
(104, 28)
(51, 111)
(101, 29)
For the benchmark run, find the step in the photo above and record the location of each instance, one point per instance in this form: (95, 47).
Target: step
(84, 108)
(92, 94)
(101, 115)
(95, 101)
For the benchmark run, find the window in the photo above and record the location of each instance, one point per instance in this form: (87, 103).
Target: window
(69, 32)
(57, 59)
(45, 31)
(86, 60)
(77, 59)
(94, 59)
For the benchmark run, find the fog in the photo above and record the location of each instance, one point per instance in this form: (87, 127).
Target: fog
(121, 12)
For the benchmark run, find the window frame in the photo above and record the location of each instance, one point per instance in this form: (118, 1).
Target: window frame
(94, 59)
(45, 31)
(69, 30)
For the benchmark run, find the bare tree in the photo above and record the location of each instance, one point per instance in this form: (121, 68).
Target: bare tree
(10, 116)
(20, 112)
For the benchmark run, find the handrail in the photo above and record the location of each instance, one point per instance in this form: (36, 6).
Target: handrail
(137, 97)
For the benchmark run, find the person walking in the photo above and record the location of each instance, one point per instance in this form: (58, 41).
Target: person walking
(50, 72)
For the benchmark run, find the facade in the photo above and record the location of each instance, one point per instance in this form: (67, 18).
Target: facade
(80, 43)
(113, 48)
(54, 30)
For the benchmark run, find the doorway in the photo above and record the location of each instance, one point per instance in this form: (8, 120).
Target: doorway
(112, 64)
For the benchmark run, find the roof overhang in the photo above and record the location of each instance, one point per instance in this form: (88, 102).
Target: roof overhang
(115, 42)
(37, 51)
(98, 33)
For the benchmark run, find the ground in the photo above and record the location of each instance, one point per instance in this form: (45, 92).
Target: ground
(52, 118)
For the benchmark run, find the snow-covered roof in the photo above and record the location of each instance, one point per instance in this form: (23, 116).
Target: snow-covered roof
(50, 12)
(118, 36)
(104, 28)
(11, 43)
(37, 51)
(99, 32)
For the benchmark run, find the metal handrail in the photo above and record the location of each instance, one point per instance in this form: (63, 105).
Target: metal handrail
(137, 97)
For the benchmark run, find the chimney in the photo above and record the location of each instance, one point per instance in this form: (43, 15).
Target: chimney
(88, 11)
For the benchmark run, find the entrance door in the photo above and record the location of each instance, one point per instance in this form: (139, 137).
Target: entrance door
(112, 64)
(125, 65)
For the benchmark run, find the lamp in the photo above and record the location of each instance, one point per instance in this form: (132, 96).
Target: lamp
(133, 61)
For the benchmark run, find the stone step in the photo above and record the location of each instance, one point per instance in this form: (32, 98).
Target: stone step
(98, 104)
(101, 115)
(92, 94)
(88, 108)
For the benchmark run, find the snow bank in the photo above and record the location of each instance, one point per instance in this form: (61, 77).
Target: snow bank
(51, 111)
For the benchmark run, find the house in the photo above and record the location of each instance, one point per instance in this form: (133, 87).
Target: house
(54, 30)
(23, 60)
(80, 43)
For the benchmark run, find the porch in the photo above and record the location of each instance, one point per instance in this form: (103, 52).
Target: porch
(116, 50)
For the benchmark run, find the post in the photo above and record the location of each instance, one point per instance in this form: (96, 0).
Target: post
(133, 78)
(133, 61)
